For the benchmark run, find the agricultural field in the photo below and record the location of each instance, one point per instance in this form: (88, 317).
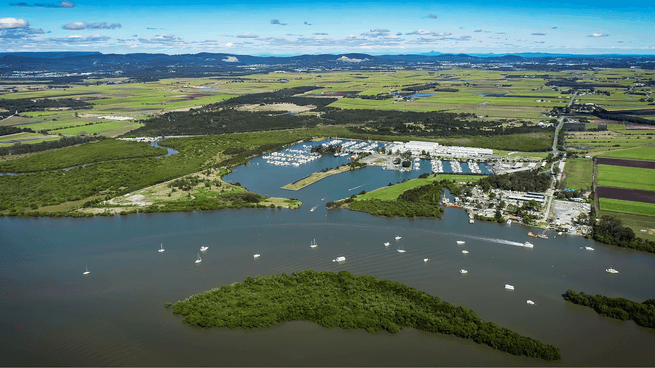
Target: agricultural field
(643, 226)
(578, 173)
(641, 153)
(635, 208)
(608, 142)
(626, 177)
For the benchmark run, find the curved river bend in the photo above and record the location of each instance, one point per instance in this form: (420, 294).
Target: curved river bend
(53, 315)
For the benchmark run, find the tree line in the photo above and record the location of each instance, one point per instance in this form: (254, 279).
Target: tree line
(22, 148)
(610, 230)
(347, 301)
(620, 308)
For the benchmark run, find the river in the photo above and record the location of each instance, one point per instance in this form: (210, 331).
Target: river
(53, 315)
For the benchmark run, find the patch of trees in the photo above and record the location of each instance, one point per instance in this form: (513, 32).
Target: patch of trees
(620, 308)
(6, 130)
(286, 95)
(610, 230)
(446, 90)
(22, 148)
(381, 96)
(420, 87)
(620, 116)
(524, 181)
(349, 302)
(41, 104)
(326, 150)
(423, 201)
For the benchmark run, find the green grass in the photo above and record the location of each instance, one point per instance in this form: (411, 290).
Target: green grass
(95, 128)
(626, 177)
(635, 208)
(578, 173)
(641, 153)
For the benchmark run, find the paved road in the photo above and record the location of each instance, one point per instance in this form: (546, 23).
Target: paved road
(559, 126)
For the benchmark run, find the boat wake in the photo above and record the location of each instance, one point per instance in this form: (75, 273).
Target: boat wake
(356, 187)
(491, 240)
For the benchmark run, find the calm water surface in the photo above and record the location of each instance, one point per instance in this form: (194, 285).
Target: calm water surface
(50, 314)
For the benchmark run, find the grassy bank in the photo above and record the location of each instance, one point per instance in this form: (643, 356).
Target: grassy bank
(314, 177)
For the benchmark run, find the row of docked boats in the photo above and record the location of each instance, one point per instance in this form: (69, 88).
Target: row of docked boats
(541, 236)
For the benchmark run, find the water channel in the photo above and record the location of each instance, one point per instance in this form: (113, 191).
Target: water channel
(51, 314)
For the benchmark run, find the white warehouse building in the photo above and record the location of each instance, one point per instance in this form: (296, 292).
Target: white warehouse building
(435, 149)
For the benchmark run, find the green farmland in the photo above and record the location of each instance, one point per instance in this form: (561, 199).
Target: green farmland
(578, 173)
(626, 177)
(635, 208)
(641, 153)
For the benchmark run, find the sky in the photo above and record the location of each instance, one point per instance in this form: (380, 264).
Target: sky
(274, 27)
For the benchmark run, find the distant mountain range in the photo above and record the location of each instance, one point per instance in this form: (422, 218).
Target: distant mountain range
(67, 67)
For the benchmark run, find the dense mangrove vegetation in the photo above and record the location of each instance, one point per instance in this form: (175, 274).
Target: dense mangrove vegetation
(620, 308)
(347, 301)
(610, 230)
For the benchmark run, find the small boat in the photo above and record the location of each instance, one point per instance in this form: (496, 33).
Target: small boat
(509, 221)
(542, 236)
(530, 234)
(161, 248)
(199, 259)
(611, 270)
(471, 221)
(463, 271)
(560, 233)
(465, 251)
(313, 244)
(460, 242)
(339, 259)
(531, 302)
(87, 271)
(588, 248)
(386, 244)
(425, 259)
(313, 209)
(509, 287)
(528, 245)
(401, 250)
(203, 248)
(256, 256)
(398, 237)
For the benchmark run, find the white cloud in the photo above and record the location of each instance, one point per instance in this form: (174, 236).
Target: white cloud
(598, 35)
(229, 44)
(231, 59)
(10, 23)
(247, 35)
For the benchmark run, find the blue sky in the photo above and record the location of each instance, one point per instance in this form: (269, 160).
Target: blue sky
(301, 27)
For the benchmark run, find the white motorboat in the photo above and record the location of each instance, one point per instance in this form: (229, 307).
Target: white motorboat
(386, 244)
(460, 242)
(528, 245)
(425, 259)
(203, 248)
(509, 221)
(256, 256)
(465, 251)
(313, 209)
(199, 259)
(611, 270)
(559, 233)
(161, 248)
(398, 237)
(509, 287)
(87, 271)
(313, 244)
(339, 259)
(588, 248)
(463, 271)
(401, 250)
(471, 221)
(531, 302)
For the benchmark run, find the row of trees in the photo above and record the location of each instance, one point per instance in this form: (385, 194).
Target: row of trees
(23, 148)
(620, 308)
(41, 104)
(347, 301)
(6, 130)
